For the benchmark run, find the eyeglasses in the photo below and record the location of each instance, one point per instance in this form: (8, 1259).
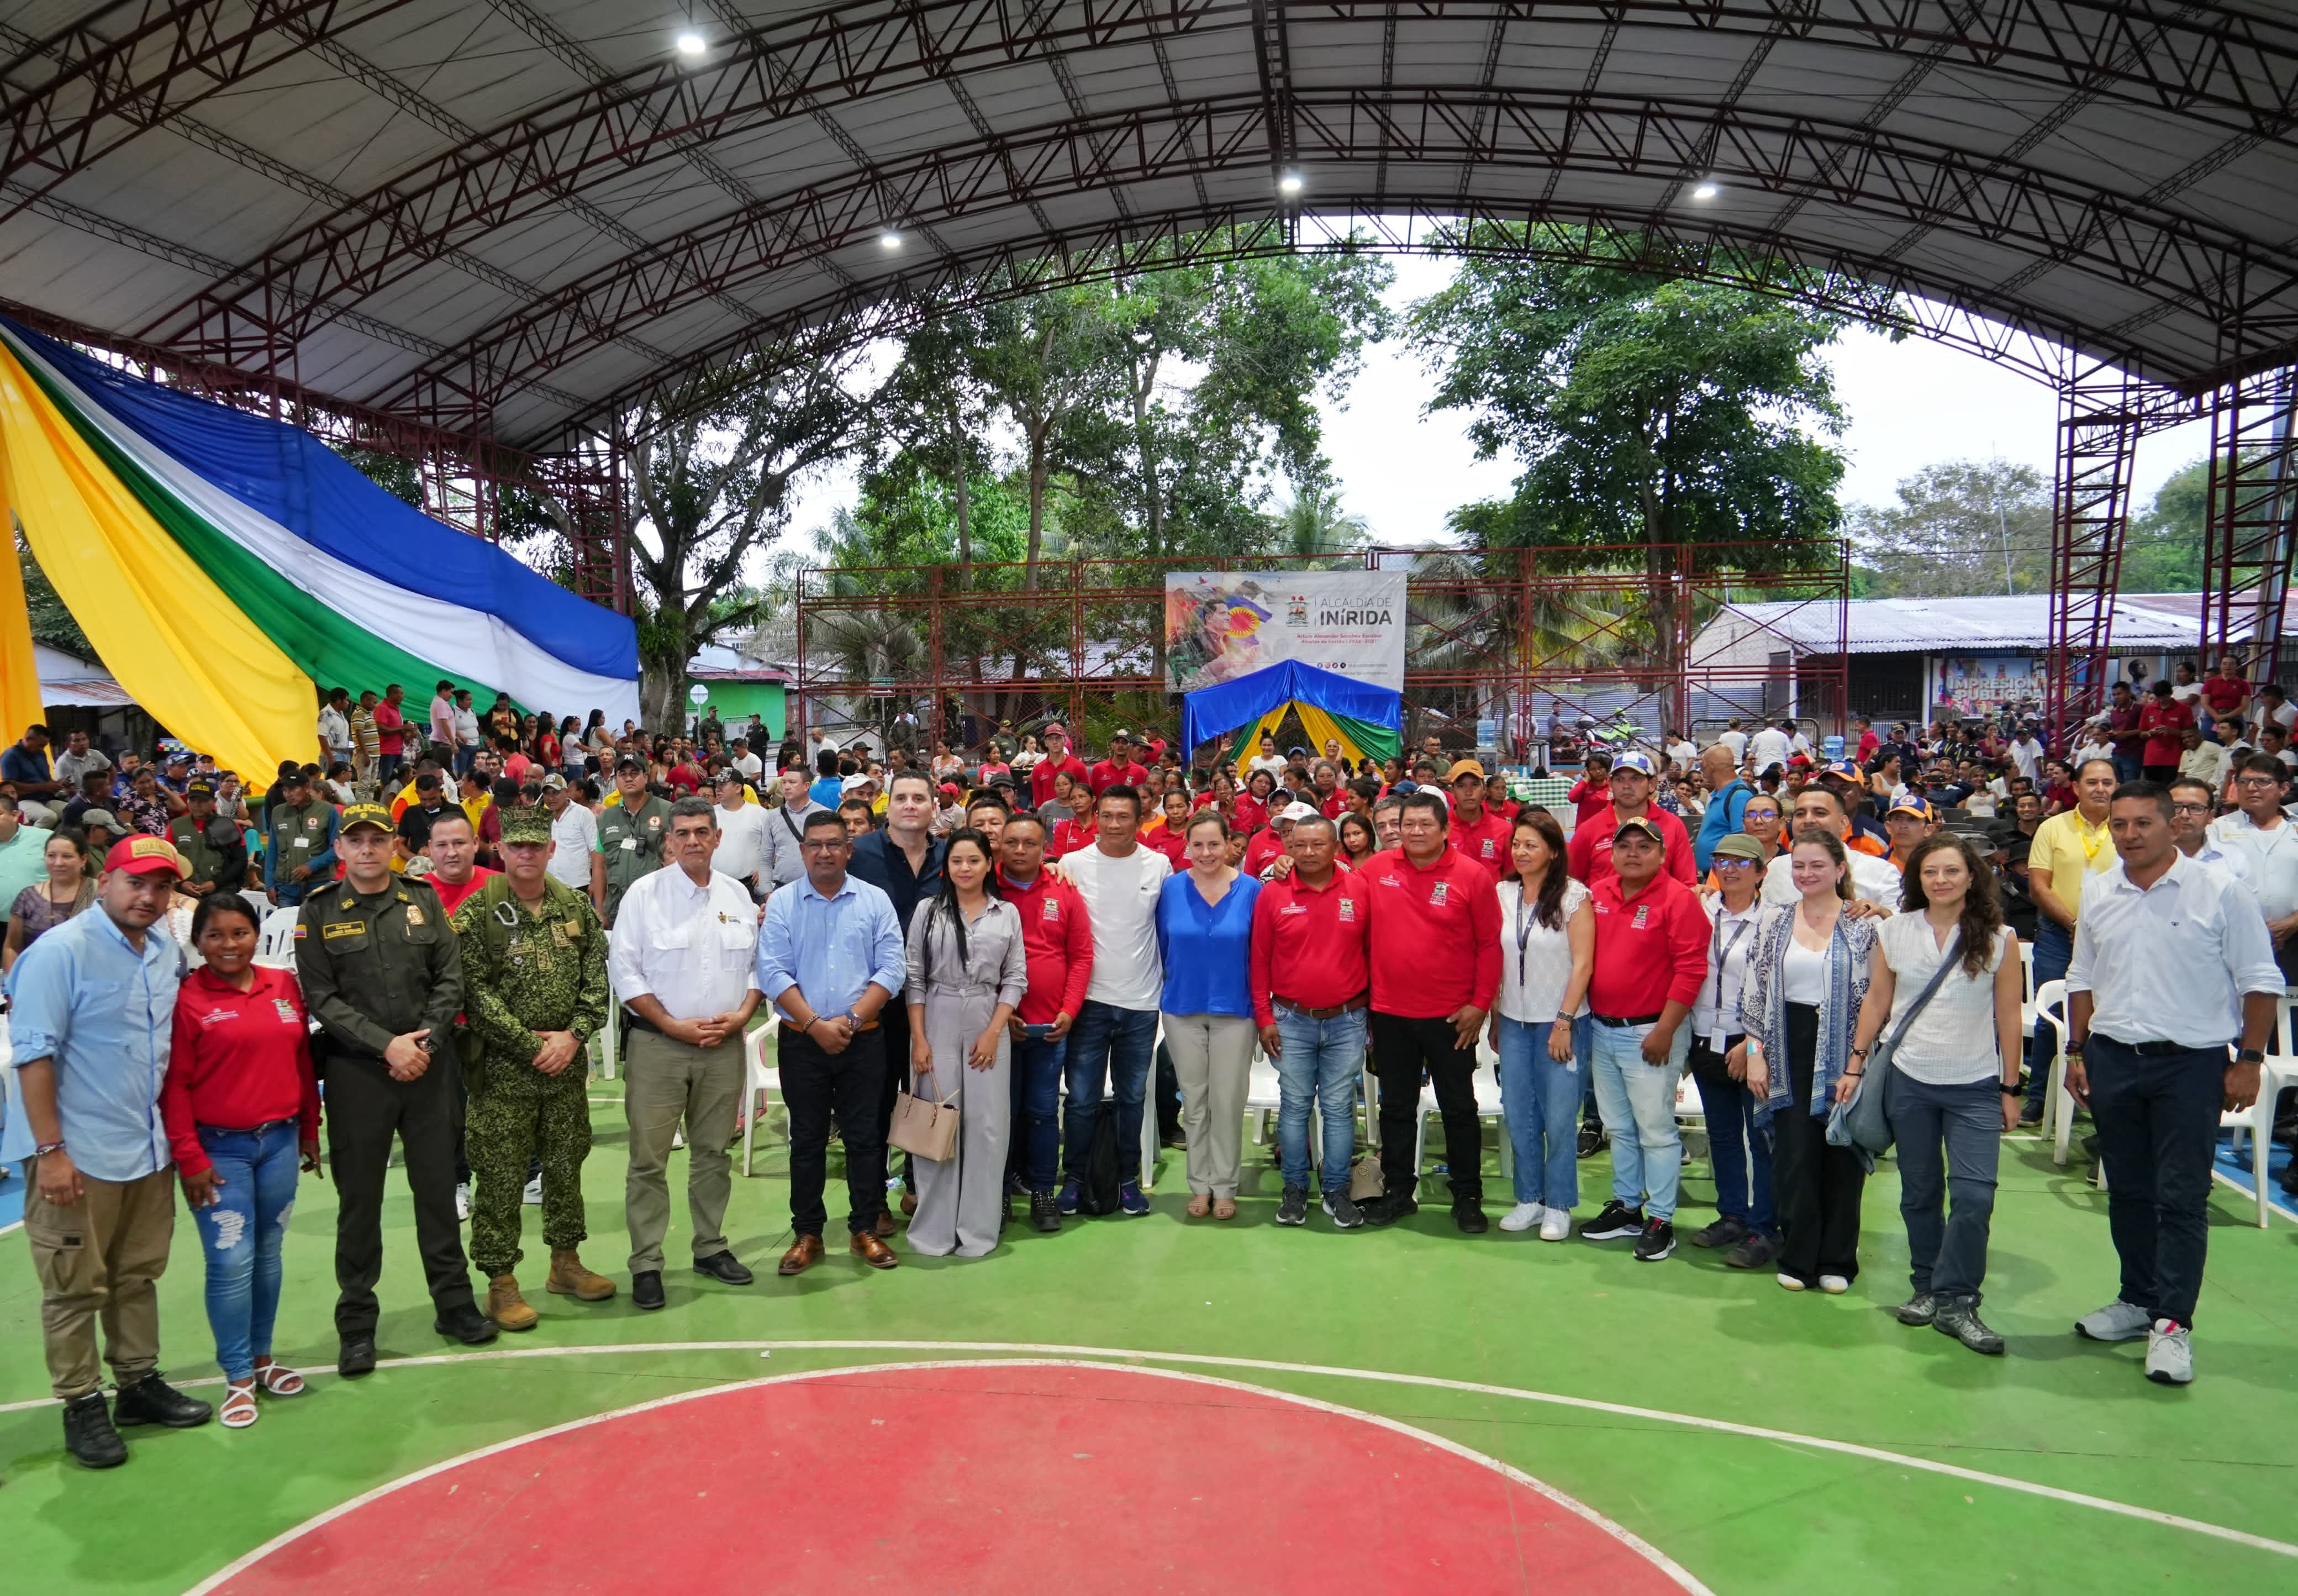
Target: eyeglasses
(2190, 808)
(812, 847)
(1735, 865)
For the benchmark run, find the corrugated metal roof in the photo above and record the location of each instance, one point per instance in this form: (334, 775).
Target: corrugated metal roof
(2142, 622)
(70, 683)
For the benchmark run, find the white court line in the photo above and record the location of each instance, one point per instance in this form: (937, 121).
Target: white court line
(1667, 1564)
(1433, 1382)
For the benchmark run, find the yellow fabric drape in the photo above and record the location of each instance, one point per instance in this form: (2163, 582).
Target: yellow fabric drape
(20, 675)
(1314, 720)
(177, 645)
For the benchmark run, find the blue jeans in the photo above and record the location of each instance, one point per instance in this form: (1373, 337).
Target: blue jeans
(1323, 1059)
(2054, 946)
(1740, 1153)
(1038, 1065)
(1109, 1049)
(241, 1236)
(1637, 1102)
(1539, 1104)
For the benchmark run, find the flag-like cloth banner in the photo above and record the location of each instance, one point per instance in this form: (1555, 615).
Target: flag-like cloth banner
(1363, 718)
(227, 568)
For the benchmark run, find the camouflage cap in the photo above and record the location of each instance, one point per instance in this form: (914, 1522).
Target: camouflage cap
(525, 823)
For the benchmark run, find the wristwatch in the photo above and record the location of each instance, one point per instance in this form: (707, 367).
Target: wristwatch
(2249, 1055)
(2011, 1088)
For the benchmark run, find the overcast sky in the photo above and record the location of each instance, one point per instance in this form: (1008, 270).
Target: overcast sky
(1910, 404)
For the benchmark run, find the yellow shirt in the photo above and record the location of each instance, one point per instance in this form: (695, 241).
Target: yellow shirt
(2067, 848)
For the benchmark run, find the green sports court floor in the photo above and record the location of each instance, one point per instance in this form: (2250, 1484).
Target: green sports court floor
(1407, 1409)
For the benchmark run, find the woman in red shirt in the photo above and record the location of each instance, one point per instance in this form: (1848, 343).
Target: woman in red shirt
(1250, 812)
(1168, 832)
(241, 1102)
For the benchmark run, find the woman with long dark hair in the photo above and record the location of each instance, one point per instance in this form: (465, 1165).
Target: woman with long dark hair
(241, 1105)
(966, 971)
(46, 904)
(1954, 1080)
(1806, 977)
(1547, 950)
(1359, 840)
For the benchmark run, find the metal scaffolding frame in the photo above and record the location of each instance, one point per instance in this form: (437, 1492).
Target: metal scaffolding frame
(2253, 514)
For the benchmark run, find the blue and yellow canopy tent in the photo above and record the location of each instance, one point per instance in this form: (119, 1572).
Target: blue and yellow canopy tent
(227, 568)
(1364, 719)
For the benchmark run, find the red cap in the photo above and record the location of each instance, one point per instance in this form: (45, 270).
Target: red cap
(145, 855)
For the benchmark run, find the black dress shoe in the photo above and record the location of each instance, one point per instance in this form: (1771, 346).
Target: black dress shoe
(723, 1266)
(153, 1401)
(646, 1288)
(1470, 1218)
(357, 1357)
(466, 1325)
(89, 1434)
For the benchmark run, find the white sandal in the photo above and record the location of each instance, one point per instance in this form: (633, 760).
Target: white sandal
(239, 1409)
(278, 1380)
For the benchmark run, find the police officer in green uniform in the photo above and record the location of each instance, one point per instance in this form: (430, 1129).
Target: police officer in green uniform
(631, 834)
(298, 851)
(214, 853)
(383, 976)
(534, 989)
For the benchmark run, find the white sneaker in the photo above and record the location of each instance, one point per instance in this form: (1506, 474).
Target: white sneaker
(1788, 1282)
(1556, 1225)
(2117, 1321)
(1523, 1216)
(532, 1195)
(2170, 1353)
(1834, 1285)
(463, 1201)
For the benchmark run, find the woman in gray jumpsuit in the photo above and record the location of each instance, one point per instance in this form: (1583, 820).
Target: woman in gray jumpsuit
(966, 972)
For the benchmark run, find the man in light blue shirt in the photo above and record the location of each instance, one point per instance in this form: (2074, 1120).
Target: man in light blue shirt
(92, 1005)
(829, 960)
(23, 853)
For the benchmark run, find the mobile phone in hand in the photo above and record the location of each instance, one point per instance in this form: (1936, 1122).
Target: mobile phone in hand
(1035, 1033)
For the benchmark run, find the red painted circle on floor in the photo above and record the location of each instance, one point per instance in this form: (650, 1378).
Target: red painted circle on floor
(1010, 1477)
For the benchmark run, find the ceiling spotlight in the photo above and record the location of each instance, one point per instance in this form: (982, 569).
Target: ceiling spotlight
(889, 239)
(692, 44)
(1292, 183)
(1706, 191)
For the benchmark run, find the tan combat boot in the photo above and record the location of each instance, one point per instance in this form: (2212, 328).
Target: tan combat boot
(507, 1307)
(569, 1278)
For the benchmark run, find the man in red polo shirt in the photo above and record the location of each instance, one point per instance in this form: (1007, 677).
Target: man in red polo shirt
(453, 851)
(1119, 766)
(1058, 758)
(1272, 841)
(1589, 855)
(1435, 962)
(1057, 942)
(1479, 831)
(1310, 973)
(1651, 959)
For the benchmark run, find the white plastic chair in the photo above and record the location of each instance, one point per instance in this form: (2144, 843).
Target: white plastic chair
(2049, 1010)
(275, 943)
(760, 1081)
(1486, 1083)
(2281, 1070)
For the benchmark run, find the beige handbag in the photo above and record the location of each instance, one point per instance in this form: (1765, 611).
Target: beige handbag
(924, 1129)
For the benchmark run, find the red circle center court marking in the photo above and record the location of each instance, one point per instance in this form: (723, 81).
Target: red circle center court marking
(1006, 1476)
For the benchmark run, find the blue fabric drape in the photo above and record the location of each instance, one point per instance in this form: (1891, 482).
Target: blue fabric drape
(1211, 711)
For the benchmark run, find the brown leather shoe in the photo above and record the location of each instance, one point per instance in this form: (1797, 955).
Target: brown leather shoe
(507, 1307)
(909, 1202)
(872, 1252)
(804, 1252)
(569, 1278)
(885, 1225)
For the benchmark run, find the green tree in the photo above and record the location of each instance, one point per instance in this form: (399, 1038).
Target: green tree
(1957, 527)
(52, 623)
(711, 469)
(2163, 551)
(1311, 521)
(394, 473)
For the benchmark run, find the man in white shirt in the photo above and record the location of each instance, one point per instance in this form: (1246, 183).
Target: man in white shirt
(2204, 759)
(738, 755)
(575, 860)
(1735, 739)
(2266, 841)
(741, 833)
(2027, 753)
(2193, 803)
(1114, 1039)
(466, 731)
(683, 962)
(1770, 746)
(335, 726)
(2172, 967)
(1819, 808)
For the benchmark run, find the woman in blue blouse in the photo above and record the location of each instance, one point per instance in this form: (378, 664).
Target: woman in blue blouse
(1205, 935)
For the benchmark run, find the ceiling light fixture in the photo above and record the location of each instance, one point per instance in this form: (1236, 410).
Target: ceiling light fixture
(1706, 191)
(889, 239)
(692, 44)
(1292, 183)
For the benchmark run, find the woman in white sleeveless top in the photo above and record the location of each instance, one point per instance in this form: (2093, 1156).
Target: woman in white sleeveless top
(1548, 947)
(1952, 1089)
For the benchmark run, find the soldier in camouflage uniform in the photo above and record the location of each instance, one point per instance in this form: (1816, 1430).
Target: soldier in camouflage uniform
(535, 972)
(631, 834)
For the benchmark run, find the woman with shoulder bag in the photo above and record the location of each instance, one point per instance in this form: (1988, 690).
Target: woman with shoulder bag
(1548, 951)
(1943, 1080)
(1807, 979)
(965, 973)
(1739, 1149)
